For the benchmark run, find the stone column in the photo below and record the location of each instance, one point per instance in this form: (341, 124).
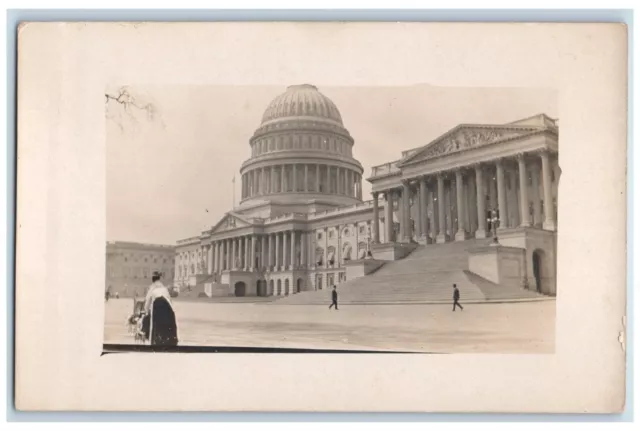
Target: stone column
(224, 258)
(258, 185)
(481, 232)
(252, 254)
(245, 253)
(284, 250)
(306, 178)
(352, 181)
(422, 213)
(376, 220)
(210, 259)
(406, 211)
(294, 177)
(535, 191)
(460, 207)
(442, 221)
(292, 255)
(317, 179)
(502, 202)
(303, 250)
(388, 217)
(214, 257)
(312, 250)
(269, 252)
(276, 262)
(430, 208)
(524, 196)
(345, 182)
(472, 203)
(282, 179)
(234, 249)
(271, 179)
(549, 213)
(400, 212)
(327, 181)
(263, 252)
(493, 201)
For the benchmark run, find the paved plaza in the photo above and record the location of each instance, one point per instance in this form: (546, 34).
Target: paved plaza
(527, 327)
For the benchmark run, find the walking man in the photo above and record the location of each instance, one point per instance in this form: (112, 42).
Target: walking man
(456, 298)
(334, 298)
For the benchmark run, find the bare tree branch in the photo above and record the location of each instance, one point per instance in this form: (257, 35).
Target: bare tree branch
(130, 105)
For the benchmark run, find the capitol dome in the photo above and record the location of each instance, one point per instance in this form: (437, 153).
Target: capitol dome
(301, 152)
(302, 101)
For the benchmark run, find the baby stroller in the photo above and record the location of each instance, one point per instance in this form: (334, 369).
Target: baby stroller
(138, 322)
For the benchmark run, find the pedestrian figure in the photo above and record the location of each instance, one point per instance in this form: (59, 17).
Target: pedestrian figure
(159, 324)
(456, 298)
(334, 298)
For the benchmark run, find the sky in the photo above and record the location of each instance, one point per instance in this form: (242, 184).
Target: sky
(171, 158)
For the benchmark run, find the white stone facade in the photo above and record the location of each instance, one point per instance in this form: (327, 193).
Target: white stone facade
(301, 214)
(449, 189)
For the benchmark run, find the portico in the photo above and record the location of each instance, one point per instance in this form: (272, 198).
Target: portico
(446, 190)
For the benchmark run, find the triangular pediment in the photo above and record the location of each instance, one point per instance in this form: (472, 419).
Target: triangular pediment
(465, 137)
(230, 221)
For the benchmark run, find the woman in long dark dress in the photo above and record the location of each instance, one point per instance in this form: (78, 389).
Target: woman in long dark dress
(163, 326)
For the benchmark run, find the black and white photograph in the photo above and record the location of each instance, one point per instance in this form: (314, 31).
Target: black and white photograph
(296, 216)
(340, 218)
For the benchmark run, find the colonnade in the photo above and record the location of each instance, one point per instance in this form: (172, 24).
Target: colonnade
(456, 205)
(299, 177)
(279, 251)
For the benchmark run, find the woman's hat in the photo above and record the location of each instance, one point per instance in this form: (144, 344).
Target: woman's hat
(157, 274)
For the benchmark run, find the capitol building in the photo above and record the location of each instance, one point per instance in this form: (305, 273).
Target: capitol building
(302, 225)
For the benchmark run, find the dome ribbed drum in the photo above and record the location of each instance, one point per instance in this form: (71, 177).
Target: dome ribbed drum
(302, 151)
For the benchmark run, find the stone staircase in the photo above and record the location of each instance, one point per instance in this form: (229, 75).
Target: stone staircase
(424, 276)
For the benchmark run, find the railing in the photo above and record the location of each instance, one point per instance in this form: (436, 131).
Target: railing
(137, 244)
(188, 240)
(386, 169)
(342, 210)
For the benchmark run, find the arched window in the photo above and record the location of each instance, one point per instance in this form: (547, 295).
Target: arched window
(362, 250)
(319, 256)
(331, 255)
(346, 252)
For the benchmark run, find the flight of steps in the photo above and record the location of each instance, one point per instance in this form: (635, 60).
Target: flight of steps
(425, 276)
(228, 299)
(220, 294)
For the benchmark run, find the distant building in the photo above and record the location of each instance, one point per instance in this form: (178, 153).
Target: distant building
(130, 265)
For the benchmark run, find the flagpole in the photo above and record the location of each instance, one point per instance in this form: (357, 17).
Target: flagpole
(233, 191)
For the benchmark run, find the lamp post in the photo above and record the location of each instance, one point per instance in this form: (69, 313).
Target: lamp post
(494, 220)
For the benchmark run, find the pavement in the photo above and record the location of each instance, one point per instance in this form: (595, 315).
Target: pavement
(523, 327)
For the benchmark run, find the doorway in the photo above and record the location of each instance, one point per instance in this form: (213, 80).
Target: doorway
(240, 288)
(299, 285)
(537, 259)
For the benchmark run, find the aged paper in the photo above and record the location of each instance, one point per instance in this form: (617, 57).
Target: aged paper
(64, 126)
